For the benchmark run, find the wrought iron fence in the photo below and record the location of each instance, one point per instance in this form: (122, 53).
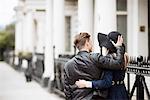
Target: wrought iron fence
(140, 66)
(58, 83)
(38, 65)
(9, 57)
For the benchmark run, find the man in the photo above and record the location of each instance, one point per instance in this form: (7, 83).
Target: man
(88, 66)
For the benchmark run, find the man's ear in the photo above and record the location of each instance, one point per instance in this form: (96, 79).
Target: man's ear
(87, 43)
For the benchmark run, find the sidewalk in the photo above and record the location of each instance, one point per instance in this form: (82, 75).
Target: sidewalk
(14, 87)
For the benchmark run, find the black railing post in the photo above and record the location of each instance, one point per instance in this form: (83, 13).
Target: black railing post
(52, 83)
(146, 88)
(140, 88)
(54, 53)
(44, 57)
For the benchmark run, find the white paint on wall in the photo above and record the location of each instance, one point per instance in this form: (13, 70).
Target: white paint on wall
(137, 16)
(104, 19)
(85, 16)
(58, 26)
(143, 21)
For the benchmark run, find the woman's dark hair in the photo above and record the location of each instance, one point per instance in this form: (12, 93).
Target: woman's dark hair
(113, 36)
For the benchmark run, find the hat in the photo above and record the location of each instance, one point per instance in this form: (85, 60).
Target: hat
(104, 41)
(114, 36)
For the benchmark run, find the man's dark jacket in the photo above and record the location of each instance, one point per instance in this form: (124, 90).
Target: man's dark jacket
(88, 67)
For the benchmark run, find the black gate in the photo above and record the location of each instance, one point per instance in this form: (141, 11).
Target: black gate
(141, 68)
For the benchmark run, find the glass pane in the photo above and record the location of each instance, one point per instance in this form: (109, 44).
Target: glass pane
(122, 26)
(68, 33)
(121, 5)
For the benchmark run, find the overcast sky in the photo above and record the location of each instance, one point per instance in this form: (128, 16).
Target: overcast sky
(7, 11)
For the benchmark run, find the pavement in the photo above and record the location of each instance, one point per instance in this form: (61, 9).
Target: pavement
(13, 86)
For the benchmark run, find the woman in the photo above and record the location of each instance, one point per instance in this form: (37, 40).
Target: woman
(118, 90)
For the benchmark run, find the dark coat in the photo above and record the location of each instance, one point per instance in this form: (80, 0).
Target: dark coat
(89, 67)
(118, 92)
(115, 92)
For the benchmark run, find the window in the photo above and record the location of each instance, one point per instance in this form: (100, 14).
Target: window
(121, 5)
(122, 18)
(68, 33)
(122, 26)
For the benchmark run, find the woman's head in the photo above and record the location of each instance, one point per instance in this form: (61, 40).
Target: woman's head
(113, 36)
(105, 40)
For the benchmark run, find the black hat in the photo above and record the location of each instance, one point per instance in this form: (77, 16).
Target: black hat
(105, 41)
(114, 36)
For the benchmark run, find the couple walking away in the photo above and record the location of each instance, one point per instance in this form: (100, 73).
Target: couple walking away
(97, 76)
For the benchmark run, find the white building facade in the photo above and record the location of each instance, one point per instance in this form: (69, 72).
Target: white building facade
(47, 23)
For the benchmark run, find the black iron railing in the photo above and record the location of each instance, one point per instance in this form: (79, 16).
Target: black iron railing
(38, 68)
(137, 66)
(59, 63)
(9, 57)
(141, 68)
(59, 74)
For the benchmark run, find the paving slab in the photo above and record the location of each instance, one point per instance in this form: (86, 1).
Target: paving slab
(13, 86)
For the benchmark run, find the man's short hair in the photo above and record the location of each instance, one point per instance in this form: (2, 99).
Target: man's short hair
(80, 39)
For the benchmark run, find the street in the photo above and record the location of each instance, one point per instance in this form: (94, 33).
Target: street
(14, 87)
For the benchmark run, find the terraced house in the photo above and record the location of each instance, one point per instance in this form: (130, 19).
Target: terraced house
(42, 24)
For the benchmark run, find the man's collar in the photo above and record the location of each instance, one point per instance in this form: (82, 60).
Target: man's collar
(83, 52)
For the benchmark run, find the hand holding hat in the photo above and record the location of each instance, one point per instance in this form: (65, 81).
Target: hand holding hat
(119, 41)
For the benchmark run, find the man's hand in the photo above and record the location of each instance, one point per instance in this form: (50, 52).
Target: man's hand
(119, 41)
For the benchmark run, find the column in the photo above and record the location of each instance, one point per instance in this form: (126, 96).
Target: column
(28, 35)
(143, 22)
(85, 16)
(24, 30)
(137, 17)
(132, 27)
(18, 30)
(58, 26)
(41, 32)
(49, 63)
(104, 18)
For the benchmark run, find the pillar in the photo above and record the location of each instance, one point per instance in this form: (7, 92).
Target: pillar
(28, 32)
(104, 18)
(59, 26)
(132, 27)
(85, 16)
(18, 30)
(49, 63)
